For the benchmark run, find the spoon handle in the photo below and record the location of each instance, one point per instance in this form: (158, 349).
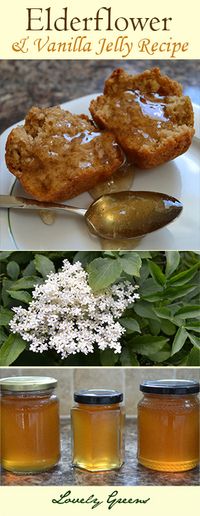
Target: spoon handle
(10, 201)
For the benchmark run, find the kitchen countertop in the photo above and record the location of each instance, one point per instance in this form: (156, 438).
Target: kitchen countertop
(131, 473)
(25, 83)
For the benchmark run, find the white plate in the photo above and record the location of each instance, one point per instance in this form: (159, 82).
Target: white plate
(180, 178)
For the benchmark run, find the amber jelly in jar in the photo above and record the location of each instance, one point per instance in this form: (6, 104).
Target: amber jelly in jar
(30, 436)
(168, 425)
(98, 430)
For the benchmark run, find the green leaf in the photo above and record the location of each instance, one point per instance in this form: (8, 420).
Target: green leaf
(134, 360)
(128, 359)
(152, 298)
(194, 295)
(30, 269)
(184, 277)
(3, 335)
(108, 357)
(43, 265)
(168, 327)
(4, 255)
(193, 358)
(161, 355)
(163, 312)
(102, 272)
(6, 284)
(178, 292)
(85, 257)
(20, 295)
(22, 257)
(147, 344)
(156, 273)
(109, 253)
(151, 291)
(179, 340)
(149, 286)
(130, 324)
(154, 327)
(145, 254)
(28, 282)
(13, 270)
(125, 357)
(144, 273)
(5, 316)
(194, 340)
(172, 259)
(131, 263)
(11, 349)
(188, 312)
(194, 326)
(144, 309)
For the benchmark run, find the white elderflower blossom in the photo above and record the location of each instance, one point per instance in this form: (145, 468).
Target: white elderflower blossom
(66, 316)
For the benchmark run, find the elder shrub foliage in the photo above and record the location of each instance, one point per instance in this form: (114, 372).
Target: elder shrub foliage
(162, 327)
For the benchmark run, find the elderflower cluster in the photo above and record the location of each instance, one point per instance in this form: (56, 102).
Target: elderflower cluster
(66, 316)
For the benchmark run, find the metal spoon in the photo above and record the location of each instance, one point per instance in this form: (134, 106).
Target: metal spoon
(119, 215)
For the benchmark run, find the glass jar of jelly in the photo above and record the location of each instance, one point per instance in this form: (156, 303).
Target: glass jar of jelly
(30, 437)
(98, 430)
(168, 425)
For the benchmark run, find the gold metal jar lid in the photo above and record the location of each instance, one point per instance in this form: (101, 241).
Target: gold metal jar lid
(27, 383)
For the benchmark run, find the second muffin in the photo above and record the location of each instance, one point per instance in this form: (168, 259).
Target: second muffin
(147, 113)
